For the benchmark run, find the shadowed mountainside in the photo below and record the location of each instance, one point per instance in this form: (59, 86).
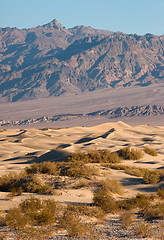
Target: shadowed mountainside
(51, 60)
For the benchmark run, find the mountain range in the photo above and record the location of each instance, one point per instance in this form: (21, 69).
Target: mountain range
(51, 60)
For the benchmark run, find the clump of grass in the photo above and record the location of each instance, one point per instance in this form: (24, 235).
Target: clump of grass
(151, 176)
(18, 183)
(44, 168)
(131, 153)
(127, 219)
(150, 151)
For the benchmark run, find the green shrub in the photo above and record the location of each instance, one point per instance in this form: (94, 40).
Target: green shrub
(150, 151)
(151, 176)
(131, 153)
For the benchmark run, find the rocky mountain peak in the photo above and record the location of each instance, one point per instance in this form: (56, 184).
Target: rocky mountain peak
(54, 24)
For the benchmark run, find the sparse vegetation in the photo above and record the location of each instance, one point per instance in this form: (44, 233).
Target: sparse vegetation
(71, 221)
(144, 230)
(44, 168)
(153, 211)
(150, 151)
(161, 192)
(131, 153)
(103, 196)
(151, 176)
(18, 183)
(94, 156)
(111, 185)
(127, 219)
(80, 170)
(31, 213)
(82, 183)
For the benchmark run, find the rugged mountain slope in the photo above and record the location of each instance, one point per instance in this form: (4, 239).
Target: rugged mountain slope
(50, 60)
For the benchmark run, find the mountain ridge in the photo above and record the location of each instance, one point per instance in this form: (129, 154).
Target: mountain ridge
(51, 60)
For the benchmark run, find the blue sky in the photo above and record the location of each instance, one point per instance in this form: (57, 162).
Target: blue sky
(128, 16)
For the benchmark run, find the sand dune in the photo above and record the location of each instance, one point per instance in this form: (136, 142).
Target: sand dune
(19, 148)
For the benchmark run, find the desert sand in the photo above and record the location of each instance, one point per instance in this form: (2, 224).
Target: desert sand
(19, 148)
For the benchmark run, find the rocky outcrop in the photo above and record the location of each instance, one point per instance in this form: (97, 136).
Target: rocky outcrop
(146, 110)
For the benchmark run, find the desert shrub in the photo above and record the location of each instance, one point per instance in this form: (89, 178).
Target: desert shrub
(143, 229)
(44, 168)
(2, 219)
(11, 181)
(80, 170)
(131, 153)
(103, 199)
(95, 156)
(34, 185)
(18, 183)
(140, 201)
(150, 151)
(78, 156)
(104, 156)
(111, 185)
(127, 219)
(71, 221)
(153, 211)
(160, 192)
(84, 209)
(151, 176)
(33, 218)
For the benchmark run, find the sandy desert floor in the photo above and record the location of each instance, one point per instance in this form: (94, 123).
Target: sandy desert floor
(19, 148)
